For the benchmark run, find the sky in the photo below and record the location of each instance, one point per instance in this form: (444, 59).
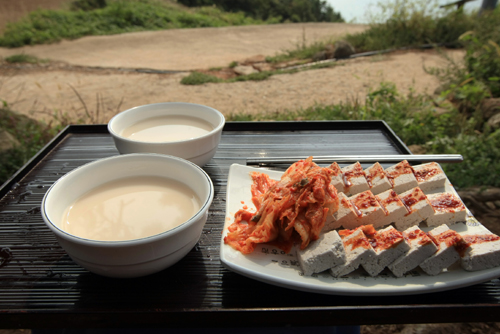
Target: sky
(357, 9)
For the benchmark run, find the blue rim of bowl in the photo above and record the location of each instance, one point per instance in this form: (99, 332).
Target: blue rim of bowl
(138, 241)
(218, 128)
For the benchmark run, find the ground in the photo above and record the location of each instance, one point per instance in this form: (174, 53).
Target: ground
(107, 74)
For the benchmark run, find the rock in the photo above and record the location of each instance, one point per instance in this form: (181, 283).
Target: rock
(494, 121)
(327, 53)
(319, 56)
(244, 70)
(254, 59)
(263, 67)
(7, 141)
(343, 49)
(490, 107)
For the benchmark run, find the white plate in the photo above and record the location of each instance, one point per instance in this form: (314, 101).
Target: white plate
(271, 265)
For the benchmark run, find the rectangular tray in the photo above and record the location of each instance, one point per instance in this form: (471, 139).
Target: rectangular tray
(40, 286)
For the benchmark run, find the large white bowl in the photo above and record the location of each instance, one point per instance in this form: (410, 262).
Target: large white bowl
(198, 150)
(131, 258)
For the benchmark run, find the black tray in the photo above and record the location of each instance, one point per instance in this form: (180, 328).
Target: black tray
(40, 286)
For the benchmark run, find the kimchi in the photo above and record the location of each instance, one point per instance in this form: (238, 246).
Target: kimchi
(291, 210)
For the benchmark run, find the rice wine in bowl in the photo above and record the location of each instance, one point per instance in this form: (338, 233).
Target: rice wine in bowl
(167, 128)
(130, 208)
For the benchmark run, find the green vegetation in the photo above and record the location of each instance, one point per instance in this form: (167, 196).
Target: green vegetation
(30, 135)
(417, 122)
(450, 123)
(24, 59)
(118, 16)
(285, 10)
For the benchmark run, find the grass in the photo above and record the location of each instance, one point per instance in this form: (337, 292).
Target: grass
(119, 16)
(24, 59)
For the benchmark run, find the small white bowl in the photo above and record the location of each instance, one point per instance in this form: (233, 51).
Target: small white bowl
(130, 258)
(198, 150)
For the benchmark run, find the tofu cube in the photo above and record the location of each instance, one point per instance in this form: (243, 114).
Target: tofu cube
(322, 254)
(354, 179)
(481, 251)
(429, 176)
(357, 250)
(393, 207)
(448, 209)
(446, 240)
(388, 244)
(337, 178)
(421, 247)
(367, 209)
(376, 178)
(418, 206)
(402, 177)
(344, 215)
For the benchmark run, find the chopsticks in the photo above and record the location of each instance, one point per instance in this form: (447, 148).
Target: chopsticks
(360, 158)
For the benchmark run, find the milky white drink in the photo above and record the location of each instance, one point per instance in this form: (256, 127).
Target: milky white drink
(167, 128)
(131, 208)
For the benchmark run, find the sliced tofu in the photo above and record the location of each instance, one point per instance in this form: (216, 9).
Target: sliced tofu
(480, 251)
(388, 244)
(376, 178)
(357, 250)
(394, 208)
(448, 209)
(337, 177)
(322, 254)
(344, 215)
(446, 240)
(421, 248)
(418, 206)
(354, 179)
(429, 176)
(367, 209)
(401, 176)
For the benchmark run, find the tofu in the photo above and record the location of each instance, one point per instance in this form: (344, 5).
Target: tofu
(480, 251)
(357, 250)
(376, 178)
(354, 179)
(394, 208)
(418, 206)
(322, 254)
(402, 177)
(446, 240)
(367, 209)
(337, 178)
(388, 244)
(429, 176)
(448, 209)
(421, 248)
(344, 215)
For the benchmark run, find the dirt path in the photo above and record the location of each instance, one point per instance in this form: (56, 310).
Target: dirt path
(69, 90)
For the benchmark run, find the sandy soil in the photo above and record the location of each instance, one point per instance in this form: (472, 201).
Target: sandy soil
(68, 89)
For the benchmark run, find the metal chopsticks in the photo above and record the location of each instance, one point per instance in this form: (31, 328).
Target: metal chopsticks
(360, 158)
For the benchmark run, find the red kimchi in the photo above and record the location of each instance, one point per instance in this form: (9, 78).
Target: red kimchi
(291, 210)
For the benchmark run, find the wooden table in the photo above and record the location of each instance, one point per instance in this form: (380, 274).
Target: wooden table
(40, 286)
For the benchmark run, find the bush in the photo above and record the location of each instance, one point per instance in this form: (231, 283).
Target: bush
(31, 135)
(412, 24)
(281, 10)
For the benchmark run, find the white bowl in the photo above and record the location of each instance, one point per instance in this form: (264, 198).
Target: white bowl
(130, 258)
(198, 150)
